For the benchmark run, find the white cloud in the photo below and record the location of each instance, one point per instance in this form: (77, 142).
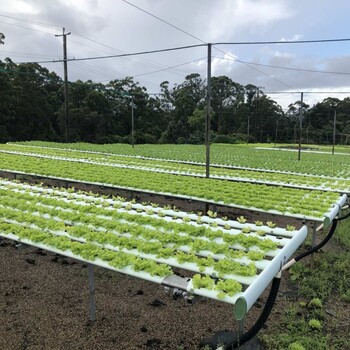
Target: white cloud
(21, 7)
(230, 18)
(283, 54)
(126, 28)
(295, 37)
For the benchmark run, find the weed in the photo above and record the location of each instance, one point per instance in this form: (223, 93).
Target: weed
(315, 324)
(295, 346)
(315, 303)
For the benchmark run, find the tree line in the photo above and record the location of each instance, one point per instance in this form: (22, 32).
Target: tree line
(32, 108)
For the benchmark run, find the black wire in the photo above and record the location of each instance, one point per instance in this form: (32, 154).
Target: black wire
(344, 217)
(282, 42)
(164, 21)
(122, 55)
(286, 68)
(321, 244)
(262, 318)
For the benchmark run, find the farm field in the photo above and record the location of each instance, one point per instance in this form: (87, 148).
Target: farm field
(249, 156)
(339, 182)
(297, 202)
(150, 242)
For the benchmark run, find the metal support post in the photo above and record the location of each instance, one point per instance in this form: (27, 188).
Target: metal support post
(207, 119)
(132, 123)
(300, 123)
(314, 235)
(241, 326)
(92, 296)
(334, 129)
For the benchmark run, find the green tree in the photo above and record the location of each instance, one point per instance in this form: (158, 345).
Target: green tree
(185, 98)
(226, 97)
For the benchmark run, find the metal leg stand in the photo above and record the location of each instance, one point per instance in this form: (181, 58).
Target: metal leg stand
(314, 235)
(241, 326)
(92, 297)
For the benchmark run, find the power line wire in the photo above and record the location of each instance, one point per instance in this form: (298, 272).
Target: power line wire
(283, 42)
(146, 62)
(257, 70)
(192, 36)
(122, 55)
(307, 92)
(164, 69)
(27, 28)
(30, 21)
(136, 60)
(287, 68)
(164, 21)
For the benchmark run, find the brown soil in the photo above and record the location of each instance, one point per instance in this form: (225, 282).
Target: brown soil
(140, 196)
(44, 300)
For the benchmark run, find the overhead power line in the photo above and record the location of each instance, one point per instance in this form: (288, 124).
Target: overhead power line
(243, 43)
(30, 21)
(307, 92)
(47, 25)
(122, 55)
(164, 21)
(199, 39)
(286, 68)
(26, 28)
(164, 69)
(283, 42)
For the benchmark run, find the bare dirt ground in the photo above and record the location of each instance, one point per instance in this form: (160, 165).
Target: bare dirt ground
(44, 302)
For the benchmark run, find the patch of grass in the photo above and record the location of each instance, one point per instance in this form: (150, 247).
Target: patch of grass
(322, 278)
(342, 234)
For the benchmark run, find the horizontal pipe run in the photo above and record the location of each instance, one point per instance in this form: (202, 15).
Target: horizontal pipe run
(252, 293)
(166, 194)
(213, 165)
(97, 262)
(176, 172)
(329, 217)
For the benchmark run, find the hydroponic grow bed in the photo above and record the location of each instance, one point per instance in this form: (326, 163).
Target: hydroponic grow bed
(228, 260)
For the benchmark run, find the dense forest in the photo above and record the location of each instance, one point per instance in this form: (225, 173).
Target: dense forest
(32, 108)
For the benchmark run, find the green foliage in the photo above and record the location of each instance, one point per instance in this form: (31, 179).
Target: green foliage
(315, 303)
(295, 346)
(101, 113)
(315, 324)
(224, 139)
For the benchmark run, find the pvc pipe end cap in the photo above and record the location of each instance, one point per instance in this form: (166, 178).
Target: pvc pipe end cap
(326, 222)
(240, 308)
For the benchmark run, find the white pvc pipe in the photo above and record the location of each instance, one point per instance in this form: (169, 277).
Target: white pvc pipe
(98, 262)
(329, 217)
(246, 300)
(297, 216)
(176, 172)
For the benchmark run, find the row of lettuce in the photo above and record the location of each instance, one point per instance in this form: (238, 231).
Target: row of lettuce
(336, 165)
(332, 183)
(302, 203)
(125, 238)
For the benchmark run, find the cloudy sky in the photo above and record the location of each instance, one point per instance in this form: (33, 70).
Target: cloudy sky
(111, 27)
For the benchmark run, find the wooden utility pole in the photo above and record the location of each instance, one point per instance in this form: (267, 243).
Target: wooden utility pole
(207, 119)
(65, 69)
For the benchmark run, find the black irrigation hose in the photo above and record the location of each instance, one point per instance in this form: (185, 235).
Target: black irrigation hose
(274, 291)
(321, 244)
(261, 320)
(344, 217)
